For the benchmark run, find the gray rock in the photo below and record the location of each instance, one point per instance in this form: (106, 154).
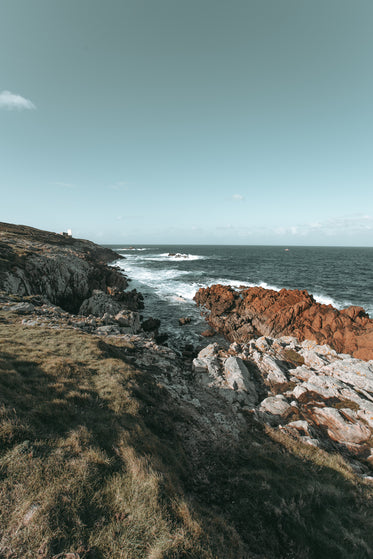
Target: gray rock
(275, 405)
(99, 304)
(338, 428)
(301, 426)
(28, 322)
(237, 377)
(209, 356)
(108, 318)
(313, 359)
(209, 351)
(275, 374)
(302, 373)
(310, 441)
(129, 320)
(325, 386)
(352, 371)
(237, 397)
(235, 347)
(289, 341)
(301, 430)
(263, 343)
(22, 308)
(199, 366)
(109, 329)
(299, 390)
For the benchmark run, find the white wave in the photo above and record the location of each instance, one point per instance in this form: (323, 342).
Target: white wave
(149, 276)
(167, 283)
(268, 286)
(326, 300)
(130, 248)
(369, 309)
(172, 285)
(185, 291)
(171, 257)
(237, 284)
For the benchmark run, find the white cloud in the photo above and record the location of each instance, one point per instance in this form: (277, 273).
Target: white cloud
(13, 101)
(63, 184)
(356, 229)
(342, 226)
(238, 197)
(127, 217)
(280, 230)
(348, 225)
(121, 185)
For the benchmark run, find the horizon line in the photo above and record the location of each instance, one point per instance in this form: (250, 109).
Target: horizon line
(129, 245)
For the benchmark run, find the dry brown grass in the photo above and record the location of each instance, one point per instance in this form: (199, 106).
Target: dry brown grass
(72, 480)
(82, 471)
(90, 463)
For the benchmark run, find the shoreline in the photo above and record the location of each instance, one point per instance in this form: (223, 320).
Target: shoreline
(160, 431)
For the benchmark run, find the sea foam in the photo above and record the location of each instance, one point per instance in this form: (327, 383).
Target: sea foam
(130, 249)
(178, 257)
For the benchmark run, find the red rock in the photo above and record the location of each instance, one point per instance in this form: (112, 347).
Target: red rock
(246, 313)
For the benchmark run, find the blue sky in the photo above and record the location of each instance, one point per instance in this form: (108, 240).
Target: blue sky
(167, 121)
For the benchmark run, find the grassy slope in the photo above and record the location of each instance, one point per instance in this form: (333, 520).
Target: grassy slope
(90, 462)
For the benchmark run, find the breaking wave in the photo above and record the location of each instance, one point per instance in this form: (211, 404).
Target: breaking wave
(169, 276)
(170, 257)
(131, 249)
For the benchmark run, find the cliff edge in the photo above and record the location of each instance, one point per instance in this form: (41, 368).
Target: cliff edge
(64, 270)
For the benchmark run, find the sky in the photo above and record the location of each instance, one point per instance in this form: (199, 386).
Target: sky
(188, 122)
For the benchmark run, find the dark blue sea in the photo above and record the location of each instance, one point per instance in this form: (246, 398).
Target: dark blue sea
(169, 276)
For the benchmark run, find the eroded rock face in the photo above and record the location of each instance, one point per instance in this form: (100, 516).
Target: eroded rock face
(245, 313)
(99, 304)
(64, 270)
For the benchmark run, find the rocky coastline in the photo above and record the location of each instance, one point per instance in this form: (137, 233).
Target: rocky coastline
(68, 278)
(279, 387)
(241, 314)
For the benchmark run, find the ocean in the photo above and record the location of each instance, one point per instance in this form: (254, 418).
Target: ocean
(169, 276)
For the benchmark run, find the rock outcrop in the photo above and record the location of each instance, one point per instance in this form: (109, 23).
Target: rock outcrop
(308, 391)
(249, 312)
(64, 270)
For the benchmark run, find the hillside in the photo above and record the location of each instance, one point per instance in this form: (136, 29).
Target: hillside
(113, 446)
